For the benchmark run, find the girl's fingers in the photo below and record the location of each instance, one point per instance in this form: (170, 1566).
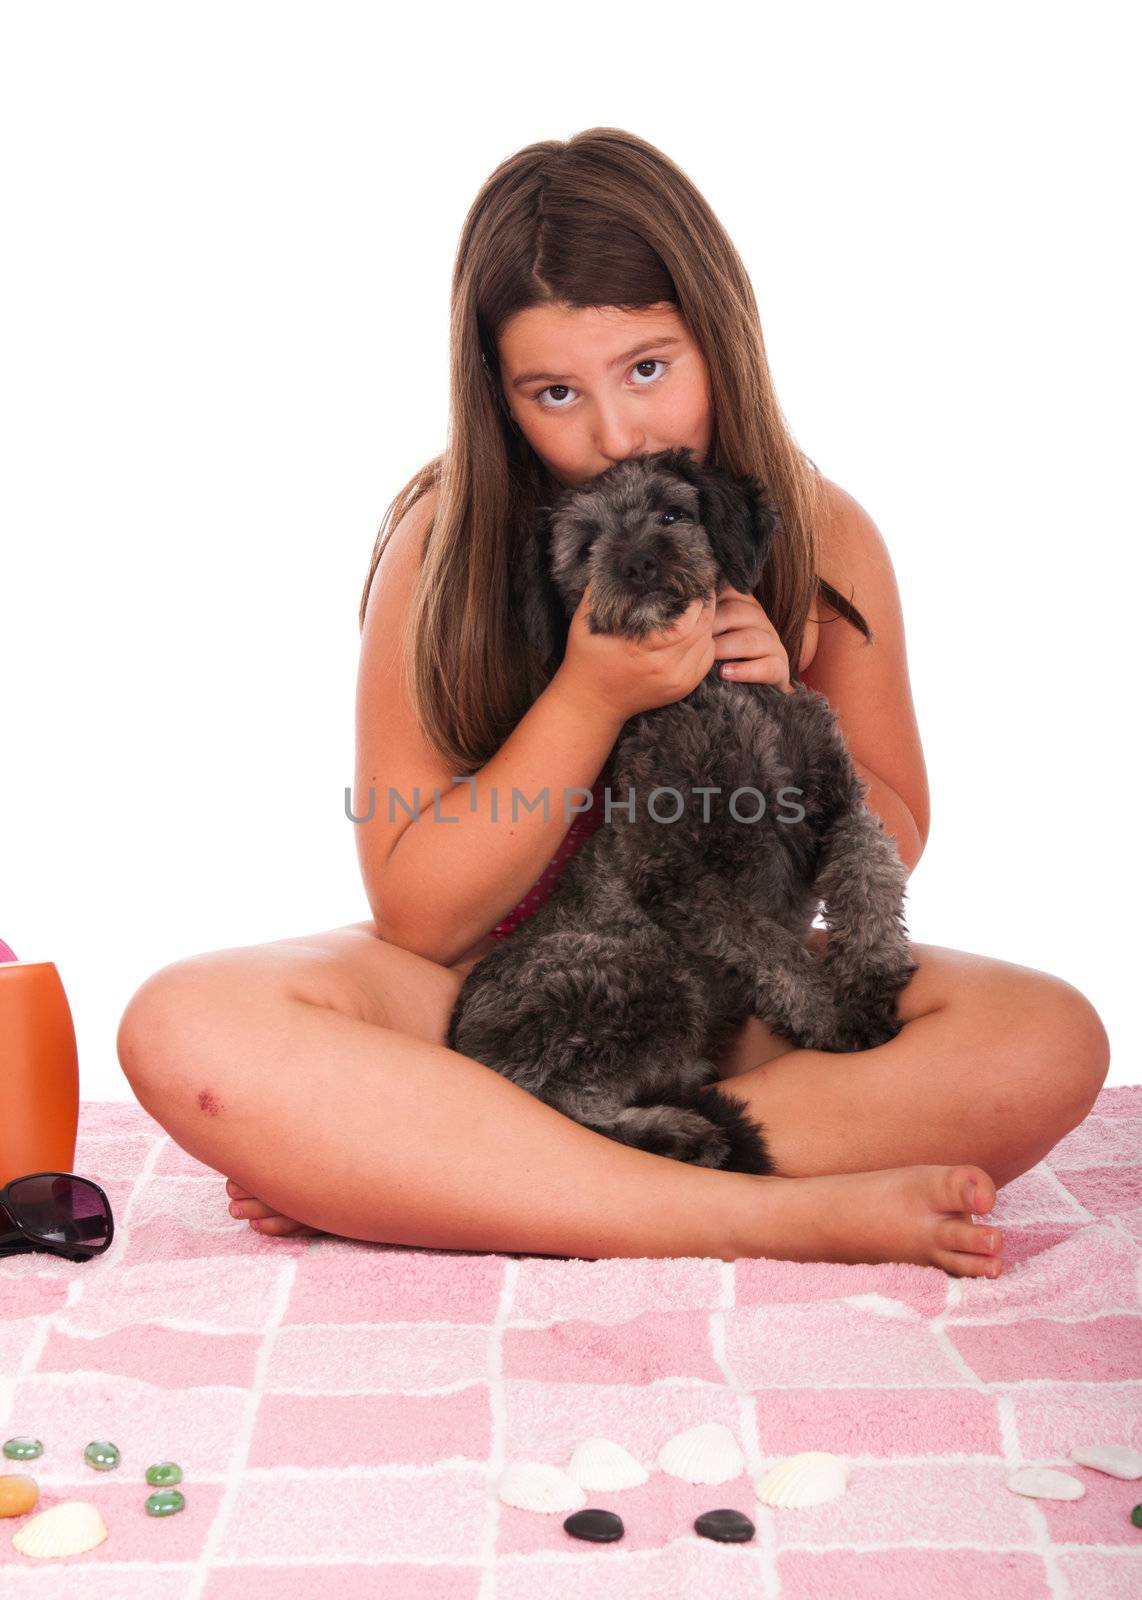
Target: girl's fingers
(758, 669)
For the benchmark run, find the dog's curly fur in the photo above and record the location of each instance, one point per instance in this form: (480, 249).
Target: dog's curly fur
(615, 1000)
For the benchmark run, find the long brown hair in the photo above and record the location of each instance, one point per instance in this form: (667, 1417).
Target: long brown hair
(603, 219)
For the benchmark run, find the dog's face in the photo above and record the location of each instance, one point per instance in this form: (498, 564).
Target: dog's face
(650, 535)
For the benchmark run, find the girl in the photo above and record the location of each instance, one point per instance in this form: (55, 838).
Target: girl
(598, 311)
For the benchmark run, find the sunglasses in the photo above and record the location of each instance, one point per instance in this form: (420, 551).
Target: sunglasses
(55, 1211)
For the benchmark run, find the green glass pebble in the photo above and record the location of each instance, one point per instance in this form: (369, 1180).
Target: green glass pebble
(165, 1503)
(164, 1473)
(1136, 1516)
(102, 1455)
(22, 1449)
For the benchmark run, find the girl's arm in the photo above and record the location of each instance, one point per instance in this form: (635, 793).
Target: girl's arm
(439, 880)
(867, 684)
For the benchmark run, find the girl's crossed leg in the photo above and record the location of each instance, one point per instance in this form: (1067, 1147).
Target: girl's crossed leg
(995, 1063)
(313, 1071)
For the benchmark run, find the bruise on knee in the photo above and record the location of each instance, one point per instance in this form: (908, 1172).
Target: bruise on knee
(209, 1103)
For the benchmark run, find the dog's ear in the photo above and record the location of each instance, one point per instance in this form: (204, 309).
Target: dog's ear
(735, 512)
(536, 602)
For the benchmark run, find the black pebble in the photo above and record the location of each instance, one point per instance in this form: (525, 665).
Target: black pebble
(727, 1527)
(598, 1526)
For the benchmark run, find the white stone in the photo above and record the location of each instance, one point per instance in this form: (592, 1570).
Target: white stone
(1118, 1459)
(1044, 1483)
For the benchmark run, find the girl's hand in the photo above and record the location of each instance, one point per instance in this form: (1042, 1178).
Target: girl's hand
(624, 676)
(746, 642)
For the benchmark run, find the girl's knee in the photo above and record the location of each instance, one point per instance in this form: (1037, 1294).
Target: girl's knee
(1060, 1054)
(1083, 1045)
(161, 1020)
(196, 1009)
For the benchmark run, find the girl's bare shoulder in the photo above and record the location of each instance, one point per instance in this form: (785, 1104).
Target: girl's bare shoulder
(811, 636)
(841, 525)
(404, 547)
(867, 682)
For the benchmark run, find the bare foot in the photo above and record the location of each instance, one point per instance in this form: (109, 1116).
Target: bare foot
(916, 1214)
(259, 1215)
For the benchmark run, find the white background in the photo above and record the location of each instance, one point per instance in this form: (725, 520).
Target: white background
(230, 231)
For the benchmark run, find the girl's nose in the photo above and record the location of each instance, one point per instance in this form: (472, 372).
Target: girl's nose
(617, 439)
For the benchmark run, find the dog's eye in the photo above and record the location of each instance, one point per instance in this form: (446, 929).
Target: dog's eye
(671, 515)
(585, 550)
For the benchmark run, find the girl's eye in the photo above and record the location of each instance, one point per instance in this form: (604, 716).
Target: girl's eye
(650, 361)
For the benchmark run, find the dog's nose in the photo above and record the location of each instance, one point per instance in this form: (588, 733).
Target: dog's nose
(640, 569)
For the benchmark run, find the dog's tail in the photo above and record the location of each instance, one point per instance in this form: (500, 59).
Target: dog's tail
(705, 1126)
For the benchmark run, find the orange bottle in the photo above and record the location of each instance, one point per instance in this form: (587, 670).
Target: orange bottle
(39, 1070)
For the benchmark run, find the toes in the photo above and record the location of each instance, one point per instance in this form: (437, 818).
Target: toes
(263, 1218)
(967, 1189)
(968, 1237)
(962, 1264)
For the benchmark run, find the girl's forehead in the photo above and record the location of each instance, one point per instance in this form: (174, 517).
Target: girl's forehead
(547, 333)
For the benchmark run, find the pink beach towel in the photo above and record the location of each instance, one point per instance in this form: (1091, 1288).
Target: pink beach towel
(342, 1411)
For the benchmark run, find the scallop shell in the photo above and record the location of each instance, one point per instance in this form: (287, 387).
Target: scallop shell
(805, 1480)
(67, 1529)
(708, 1453)
(1044, 1483)
(602, 1464)
(1119, 1460)
(535, 1486)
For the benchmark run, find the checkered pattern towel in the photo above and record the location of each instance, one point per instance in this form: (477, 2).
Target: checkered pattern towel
(341, 1410)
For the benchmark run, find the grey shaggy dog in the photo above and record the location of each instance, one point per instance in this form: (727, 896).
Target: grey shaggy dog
(614, 1001)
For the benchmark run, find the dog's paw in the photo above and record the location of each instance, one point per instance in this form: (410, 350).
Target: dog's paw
(669, 1130)
(865, 1030)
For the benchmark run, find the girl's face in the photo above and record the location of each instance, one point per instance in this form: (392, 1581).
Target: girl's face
(592, 386)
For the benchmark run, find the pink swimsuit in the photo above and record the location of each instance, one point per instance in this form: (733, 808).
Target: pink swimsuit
(583, 824)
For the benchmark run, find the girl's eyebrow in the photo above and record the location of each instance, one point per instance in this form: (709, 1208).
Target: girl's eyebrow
(628, 355)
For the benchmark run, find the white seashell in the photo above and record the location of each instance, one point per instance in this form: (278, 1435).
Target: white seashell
(602, 1464)
(535, 1486)
(1044, 1483)
(805, 1480)
(67, 1529)
(708, 1453)
(1117, 1459)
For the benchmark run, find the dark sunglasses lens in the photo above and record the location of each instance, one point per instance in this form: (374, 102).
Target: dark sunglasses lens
(58, 1208)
